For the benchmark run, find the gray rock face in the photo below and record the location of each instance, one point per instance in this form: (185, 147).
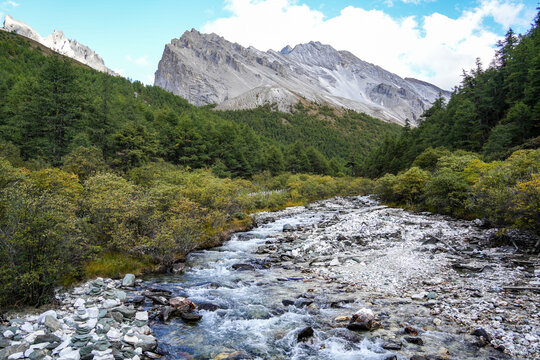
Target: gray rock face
(58, 42)
(207, 69)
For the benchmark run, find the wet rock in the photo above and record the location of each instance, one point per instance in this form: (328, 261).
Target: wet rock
(128, 280)
(181, 303)
(411, 330)
(359, 326)
(288, 228)
(305, 334)
(392, 345)
(138, 300)
(483, 337)
(178, 268)
(243, 267)
(414, 340)
(287, 302)
(166, 313)
(207, 306)
(363, 315)
(190, 316)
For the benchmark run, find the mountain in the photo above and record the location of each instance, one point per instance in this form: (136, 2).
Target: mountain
(207, 69)
(58, 42)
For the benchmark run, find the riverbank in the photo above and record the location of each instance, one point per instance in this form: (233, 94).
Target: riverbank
(430, 281)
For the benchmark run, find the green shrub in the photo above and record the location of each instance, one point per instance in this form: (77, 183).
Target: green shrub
(447, 193)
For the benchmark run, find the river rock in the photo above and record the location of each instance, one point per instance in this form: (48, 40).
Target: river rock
(69, 354)
(288, 228)
(182, 304)
(141, 316)
(52, 323)
(128, 280)
(190, 316)
(243, 267)
(305, 334)
(392, 345)
(110, 303)
(48, 338)
(363, 315)
(414, 340)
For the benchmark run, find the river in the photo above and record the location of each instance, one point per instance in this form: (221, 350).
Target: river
(305, 267)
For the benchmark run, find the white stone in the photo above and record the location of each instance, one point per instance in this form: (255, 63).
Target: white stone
(93, 312)
(114, 335)
(18, 355)
(45, 314)
(131, 339)
(69, 354)
(63, 345)
(419, 296)
(110, 303)
(334, 262)
(8, 334)
(27, 327)
(79, 302)
(141, 315)
(364, 315)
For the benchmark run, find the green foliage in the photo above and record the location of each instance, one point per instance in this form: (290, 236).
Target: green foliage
(504, 193)
(447, 193)
(428, 159)
(494, 111)
(40, 237)
(84, 162)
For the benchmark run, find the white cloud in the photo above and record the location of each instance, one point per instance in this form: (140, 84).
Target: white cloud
(140, 61)
(434, 48)
(121, 72)
(10, 3)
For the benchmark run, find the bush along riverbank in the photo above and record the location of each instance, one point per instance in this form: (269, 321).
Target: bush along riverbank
(500, 193)
(64, 225)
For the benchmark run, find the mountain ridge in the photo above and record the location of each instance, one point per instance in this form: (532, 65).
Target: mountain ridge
(208, 69)
(58, 42)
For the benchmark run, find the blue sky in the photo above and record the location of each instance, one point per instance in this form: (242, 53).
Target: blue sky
(429, 39)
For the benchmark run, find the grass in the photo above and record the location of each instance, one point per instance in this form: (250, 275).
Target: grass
(115, 265)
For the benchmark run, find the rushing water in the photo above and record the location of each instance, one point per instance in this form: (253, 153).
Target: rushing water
(251, 318)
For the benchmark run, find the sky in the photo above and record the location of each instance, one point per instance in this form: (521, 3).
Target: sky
(431, 40)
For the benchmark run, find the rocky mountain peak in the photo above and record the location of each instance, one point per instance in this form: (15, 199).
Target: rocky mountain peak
(58, 42)
(287, 49)
(208, 69)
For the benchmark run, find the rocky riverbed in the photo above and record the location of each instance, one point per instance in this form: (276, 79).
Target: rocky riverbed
(340, 279)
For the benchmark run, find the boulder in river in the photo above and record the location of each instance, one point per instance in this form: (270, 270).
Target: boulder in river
(243, 267)
(181, 303)
(288, 228)
(363, 320)
(305, 334)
